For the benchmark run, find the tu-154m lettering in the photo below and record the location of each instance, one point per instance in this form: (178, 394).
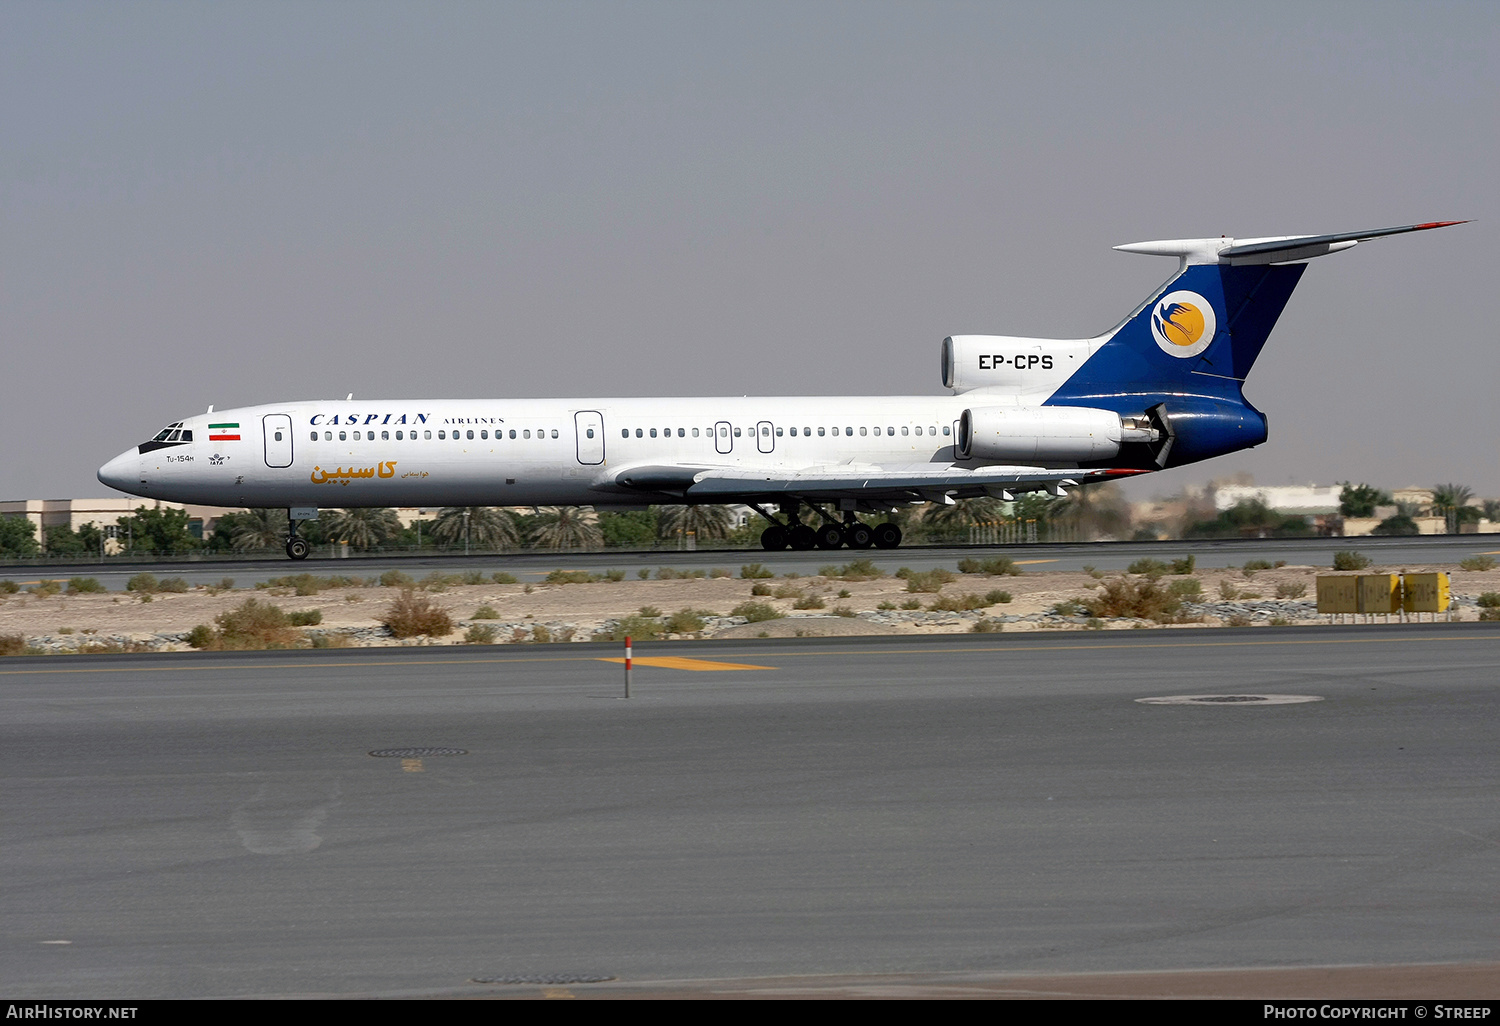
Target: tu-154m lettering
(1162, 389)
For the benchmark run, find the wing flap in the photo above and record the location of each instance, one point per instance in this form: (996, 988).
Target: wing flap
(902, 484)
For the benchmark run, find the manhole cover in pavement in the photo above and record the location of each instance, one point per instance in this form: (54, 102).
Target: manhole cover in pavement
(542, 980)
(416, 753)
(1230, 699)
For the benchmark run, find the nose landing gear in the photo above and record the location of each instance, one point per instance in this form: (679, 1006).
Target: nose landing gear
(296, 545)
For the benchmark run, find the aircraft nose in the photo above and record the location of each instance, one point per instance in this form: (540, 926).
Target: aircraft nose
(123, 471)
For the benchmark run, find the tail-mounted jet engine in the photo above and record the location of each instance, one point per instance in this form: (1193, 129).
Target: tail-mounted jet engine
(1048, 434)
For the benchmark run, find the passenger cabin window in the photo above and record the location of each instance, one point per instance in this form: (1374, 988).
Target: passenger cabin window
(653, 432)
(624, 432)
(343, 436)
(695, 432)
(314, 436)
(554, 432)
(589, 432)
(946, 429)
(278, 436)
(385, 436)
(398, 436)
(427, 435)
(469, 433)
(736, 432)
(639, 433)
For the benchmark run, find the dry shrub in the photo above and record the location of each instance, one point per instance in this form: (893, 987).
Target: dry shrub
(930, 581)
(12, 644)
(957, 603)
(412, 615)
(254, 624)
(481, 634)
(755, 612)
(1143, 598)
(637, 628)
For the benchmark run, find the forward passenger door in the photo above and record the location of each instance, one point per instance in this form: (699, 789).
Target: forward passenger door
(590, 427)
(278, 433)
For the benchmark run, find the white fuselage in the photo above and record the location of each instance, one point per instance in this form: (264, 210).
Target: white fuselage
(519, 452)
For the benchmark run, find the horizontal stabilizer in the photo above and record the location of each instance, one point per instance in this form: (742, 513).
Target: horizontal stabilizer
(1274, 250)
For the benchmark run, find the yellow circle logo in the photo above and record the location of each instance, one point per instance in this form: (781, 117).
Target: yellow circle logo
(1183, 324)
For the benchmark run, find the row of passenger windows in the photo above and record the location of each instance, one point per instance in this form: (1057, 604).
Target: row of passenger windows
(765, 431)
(484, 434)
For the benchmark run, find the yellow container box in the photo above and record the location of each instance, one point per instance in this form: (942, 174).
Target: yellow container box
(1379, 593)
(1425, 593)
(1338, 594)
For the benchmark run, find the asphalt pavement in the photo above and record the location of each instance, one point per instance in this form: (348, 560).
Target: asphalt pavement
(533, 565)
(410, 821)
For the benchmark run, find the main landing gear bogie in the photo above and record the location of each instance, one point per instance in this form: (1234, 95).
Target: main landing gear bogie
(829, 535)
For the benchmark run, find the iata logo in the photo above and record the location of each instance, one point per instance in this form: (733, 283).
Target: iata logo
(1183, 324)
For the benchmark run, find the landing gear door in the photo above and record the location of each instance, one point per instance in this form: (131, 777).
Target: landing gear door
(590, 427)
(278, 431)
(723, 441)
(765, 436)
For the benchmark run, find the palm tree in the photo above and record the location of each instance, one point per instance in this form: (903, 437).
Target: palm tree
(1097, 510)
(566, 527)
(702, 521)
(361, 528)
(1451, 501)
(258, 529)
(965, 513)
(487, 527)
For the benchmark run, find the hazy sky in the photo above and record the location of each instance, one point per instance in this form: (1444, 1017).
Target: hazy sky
(238, 203)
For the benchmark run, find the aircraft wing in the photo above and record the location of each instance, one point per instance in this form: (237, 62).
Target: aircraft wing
(916, 483)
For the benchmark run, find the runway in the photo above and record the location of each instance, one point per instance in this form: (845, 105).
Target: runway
(214, 824)
(534, 565)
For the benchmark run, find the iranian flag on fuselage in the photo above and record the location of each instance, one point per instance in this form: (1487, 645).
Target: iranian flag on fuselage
(224, 432)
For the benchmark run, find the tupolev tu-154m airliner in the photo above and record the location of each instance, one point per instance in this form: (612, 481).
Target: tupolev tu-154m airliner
(1161, 389)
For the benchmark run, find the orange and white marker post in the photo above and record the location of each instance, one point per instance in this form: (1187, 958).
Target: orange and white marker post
(627, 666)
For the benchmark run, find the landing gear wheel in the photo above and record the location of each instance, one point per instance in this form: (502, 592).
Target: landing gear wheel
(858, 536)
(773, 538)
(803, 538)
(297, 548)
(830, 536)
(887, 536)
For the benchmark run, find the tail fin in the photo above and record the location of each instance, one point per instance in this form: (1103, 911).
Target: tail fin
(1201, 333)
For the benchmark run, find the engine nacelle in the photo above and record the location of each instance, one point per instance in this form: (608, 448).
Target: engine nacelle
(1018, 365)
(1039, 434)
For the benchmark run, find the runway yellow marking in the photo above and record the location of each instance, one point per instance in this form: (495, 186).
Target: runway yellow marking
(681, 663)
(194, 666)
(1032, 562)
(558, 994)
(412, 766)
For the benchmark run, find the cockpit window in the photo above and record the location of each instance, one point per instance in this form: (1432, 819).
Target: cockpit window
(164, 435)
